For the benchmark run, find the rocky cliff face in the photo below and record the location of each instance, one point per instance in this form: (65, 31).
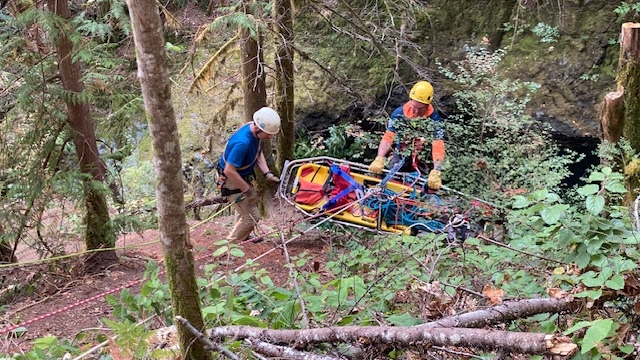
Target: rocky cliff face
(568, 47)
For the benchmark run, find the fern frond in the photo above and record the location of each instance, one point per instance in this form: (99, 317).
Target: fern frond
(238, 19)
(76, 98)
(207, 72)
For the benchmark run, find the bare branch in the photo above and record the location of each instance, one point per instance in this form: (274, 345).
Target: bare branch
(284, 351)
(514, 342)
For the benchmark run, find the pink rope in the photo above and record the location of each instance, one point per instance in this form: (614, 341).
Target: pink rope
(69, 307)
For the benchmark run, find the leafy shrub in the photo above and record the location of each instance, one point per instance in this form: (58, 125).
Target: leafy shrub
(496, 150)
(546, 32)
(344, 141)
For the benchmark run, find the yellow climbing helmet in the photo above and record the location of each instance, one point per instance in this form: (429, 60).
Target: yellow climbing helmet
(422, 91)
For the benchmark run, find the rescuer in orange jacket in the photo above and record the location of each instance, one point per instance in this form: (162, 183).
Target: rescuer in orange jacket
(419, 105)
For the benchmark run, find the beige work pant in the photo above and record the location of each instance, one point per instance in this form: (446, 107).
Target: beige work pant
(247, 215)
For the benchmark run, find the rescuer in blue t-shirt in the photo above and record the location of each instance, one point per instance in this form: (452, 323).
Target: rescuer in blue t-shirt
(236, 168)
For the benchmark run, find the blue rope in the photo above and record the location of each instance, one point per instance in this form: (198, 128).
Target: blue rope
(405, 214)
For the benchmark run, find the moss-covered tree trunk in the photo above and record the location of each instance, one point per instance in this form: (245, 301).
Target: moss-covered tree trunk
(254, 91)
(629, 80)
(174, 231)
(253, 75)
(284, 81)
(99, 232)
(501, 11)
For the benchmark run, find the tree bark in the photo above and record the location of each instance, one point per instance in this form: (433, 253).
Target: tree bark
(629, 80)
(513, 342)
(253, 75)
(255, 96)
(505, 312)
(284, 98)
(174, 232)
(612, 119)
(99, 231)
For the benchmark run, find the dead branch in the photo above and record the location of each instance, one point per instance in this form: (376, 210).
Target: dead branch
(506, 312)
(204, 202)
(210, 344)
(284, 351)
(513, 342)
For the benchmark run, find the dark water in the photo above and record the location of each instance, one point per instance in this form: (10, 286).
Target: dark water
(587, 146)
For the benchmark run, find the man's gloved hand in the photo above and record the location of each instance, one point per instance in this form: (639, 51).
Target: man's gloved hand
(434, 181)
(249, 194)
(377, 165)
(269, 176)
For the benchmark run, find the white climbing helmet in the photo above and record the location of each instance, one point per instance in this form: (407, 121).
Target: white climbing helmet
(267, 120)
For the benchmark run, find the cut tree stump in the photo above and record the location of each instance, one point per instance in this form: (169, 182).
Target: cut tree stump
(612, 120)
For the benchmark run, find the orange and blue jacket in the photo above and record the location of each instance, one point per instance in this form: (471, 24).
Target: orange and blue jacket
(401, 114)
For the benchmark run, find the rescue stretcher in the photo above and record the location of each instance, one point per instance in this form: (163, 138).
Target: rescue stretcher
(393, 202)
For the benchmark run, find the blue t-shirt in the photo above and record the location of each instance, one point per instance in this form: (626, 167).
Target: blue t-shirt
(241, 151)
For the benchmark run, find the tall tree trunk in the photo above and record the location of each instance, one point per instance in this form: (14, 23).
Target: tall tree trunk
(253, 76)
(501, 14)
(174, 232)
(255, 93)
(284, 81)
(629, 80)
(99, 230)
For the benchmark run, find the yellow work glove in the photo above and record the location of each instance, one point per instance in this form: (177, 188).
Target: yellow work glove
(434, 181)
(377, 165)
(269, 176)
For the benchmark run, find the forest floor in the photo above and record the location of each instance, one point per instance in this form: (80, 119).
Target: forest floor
(71, 305)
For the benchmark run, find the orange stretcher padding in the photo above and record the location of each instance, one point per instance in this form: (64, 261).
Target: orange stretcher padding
(319, 174)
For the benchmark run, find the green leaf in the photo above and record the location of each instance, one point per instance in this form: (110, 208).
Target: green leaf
(45, 342)
(615, 187)
(588, 189)
(235, 252)
(627, 349)
(552, 214)
(615, 283)
(595, 204)
(520, 202)
(596, 333)
(221, 250)
(582, 260)
(596, 176)
(591, 294)
(579, 325)
(590, 280)
(246, 320)
(403, 320)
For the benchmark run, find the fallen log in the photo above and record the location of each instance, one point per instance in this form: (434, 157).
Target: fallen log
(284, 352)
(407, 337)
(506, 312)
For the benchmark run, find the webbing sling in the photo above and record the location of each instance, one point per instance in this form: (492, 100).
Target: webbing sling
(353, 185)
